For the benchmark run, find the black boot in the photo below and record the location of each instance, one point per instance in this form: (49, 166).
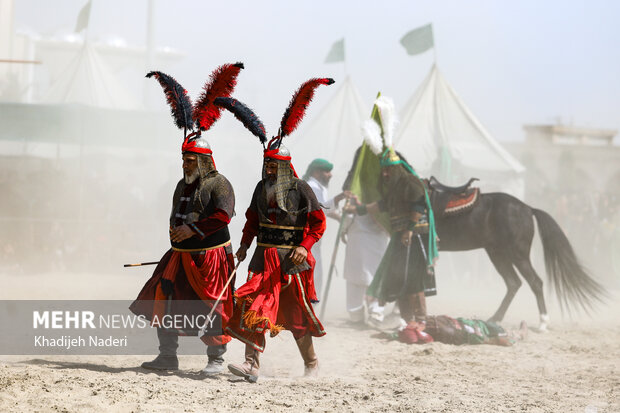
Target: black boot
(167, 358)
(162, 362)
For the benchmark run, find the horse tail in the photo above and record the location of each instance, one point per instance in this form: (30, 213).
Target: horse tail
(569, 278)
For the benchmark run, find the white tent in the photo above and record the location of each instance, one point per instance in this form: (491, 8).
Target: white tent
(333, 135)
(440, 136)
(88, 80)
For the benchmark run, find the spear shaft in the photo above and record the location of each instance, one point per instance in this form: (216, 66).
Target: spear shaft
(141, 264)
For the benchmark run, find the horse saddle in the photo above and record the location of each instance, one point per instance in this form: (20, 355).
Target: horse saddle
(452, 200)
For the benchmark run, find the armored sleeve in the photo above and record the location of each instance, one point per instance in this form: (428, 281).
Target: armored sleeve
(214, 222)
(222, 199)
(175, 200)
(250, 229)
(223, 195)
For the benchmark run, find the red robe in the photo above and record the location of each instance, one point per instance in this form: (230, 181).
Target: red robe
(277, 294)
(197, 274)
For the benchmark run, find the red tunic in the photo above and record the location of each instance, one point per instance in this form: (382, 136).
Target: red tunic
(198, 267)
(278, 295)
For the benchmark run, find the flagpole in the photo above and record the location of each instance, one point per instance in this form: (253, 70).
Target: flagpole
(332, 265)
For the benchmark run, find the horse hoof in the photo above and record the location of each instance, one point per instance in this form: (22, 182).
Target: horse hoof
(544, 321)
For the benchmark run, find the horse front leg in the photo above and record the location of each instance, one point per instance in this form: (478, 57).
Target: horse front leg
(504, 267)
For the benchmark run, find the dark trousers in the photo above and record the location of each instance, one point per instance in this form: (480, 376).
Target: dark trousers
(169, 342)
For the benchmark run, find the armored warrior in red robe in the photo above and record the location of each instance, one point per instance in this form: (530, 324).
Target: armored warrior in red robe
(200, 261)
(287, 220)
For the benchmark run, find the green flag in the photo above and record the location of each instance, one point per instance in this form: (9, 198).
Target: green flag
(418, 40)
(336, 54)
(367, 172)
(83, 17)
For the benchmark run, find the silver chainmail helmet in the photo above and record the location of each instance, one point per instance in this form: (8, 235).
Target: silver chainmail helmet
(199, 145)
(282, 150)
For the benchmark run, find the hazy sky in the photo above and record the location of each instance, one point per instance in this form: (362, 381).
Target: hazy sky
(512, 62)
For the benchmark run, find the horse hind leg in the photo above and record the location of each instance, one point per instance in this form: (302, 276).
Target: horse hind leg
(524, 265)
(504, 267)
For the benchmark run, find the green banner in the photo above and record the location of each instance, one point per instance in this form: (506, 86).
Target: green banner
(365, 182)
(418, 40)
(336, 54)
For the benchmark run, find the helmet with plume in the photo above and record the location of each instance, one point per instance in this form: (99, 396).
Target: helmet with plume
(379, 131)
(290, 120)
(274, 150)
(200, 116)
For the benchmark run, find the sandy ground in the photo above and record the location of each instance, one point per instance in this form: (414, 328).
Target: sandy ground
(573, 368)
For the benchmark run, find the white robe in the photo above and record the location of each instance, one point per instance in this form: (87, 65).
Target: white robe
(330, 209)
(366, 244)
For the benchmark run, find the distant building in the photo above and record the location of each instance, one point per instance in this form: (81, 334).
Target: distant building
(564, 158)
(573, 173)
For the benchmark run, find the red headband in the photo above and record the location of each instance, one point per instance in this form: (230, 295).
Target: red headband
(191, 147)
(273, 154)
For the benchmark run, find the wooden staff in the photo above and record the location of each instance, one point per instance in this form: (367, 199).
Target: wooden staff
(141, 264)
(32, 62)
(219, 298)
(332, 264)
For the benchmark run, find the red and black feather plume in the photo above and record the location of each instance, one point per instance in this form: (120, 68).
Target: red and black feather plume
(300, 101)
(221, 83)
(177, 98)
(245, 115)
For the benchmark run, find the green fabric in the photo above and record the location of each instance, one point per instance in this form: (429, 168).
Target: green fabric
(389, 282)
(418, 40)
(433, 251)
(365, 182)
(478, 326)
(378, 278)
(495, 329)
(318, 164)
(483, 330)
(336, 53)
(83, 18)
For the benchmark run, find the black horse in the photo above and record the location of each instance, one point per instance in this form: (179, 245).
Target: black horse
(503, 226)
